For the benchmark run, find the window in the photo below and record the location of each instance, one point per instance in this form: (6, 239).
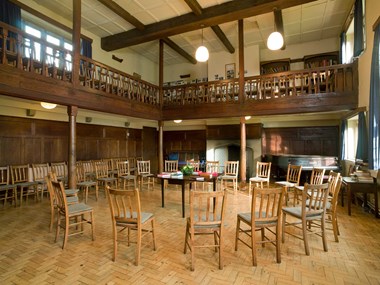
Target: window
(351, 138)
(57, 52)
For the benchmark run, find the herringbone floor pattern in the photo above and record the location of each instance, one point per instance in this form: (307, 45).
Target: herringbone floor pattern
(30, 256)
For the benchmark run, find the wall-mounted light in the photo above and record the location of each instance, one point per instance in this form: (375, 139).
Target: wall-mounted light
(202, 54)
(48, 105)
(276, 39)
(177, 121)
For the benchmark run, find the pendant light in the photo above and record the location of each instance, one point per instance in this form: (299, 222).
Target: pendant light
(276, 40)
(202, 54)
(48, 105)
(177, 121)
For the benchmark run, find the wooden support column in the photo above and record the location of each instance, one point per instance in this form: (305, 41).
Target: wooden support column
(241, 61)
(72, 111)
(161, 72)
(243, 154)
(76, 41)
(160, 146)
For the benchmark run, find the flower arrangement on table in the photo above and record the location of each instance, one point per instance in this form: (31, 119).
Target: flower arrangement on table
(187, 170)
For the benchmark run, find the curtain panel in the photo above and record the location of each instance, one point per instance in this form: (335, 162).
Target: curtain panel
(374, 105)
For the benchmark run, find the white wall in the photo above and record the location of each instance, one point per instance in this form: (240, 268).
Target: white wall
(372, 13)
(196, 71)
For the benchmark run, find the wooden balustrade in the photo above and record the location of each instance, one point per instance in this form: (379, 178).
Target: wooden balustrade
(32, 54)
(336, 78)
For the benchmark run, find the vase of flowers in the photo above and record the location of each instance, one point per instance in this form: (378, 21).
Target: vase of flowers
(187, 170)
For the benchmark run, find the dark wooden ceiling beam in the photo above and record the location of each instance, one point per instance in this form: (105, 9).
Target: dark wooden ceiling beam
(179, 50)
(211, 16)
(197, 10)
(222, 37)
(114, 7)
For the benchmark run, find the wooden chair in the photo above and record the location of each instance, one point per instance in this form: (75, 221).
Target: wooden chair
(102, 175)
(171, 166)
(262, 175)
(335, 181)
(266, 212)
(207, 210)
(211, 167)
(143, 173)
(20, 179)
(231, 170)
(132, 165)
(60, 169)
(126, 213)
(311, 213)
(317, 175)
(40, 171)
(71, 195)
(89, 170)
(124, 174)
(84, 182)
(74, 215)
(293, 177)
(7, 190)
(195, 165)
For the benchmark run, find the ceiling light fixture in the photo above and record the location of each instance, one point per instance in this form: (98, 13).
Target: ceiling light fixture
(276, 40)
(48, 105)
(247, 117)
(177, 121)
(202, 54)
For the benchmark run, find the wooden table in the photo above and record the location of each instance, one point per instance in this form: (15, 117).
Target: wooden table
(183, 181)
(354, 186)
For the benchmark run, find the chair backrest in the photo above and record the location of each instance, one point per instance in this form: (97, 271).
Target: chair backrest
(335, 195)
(171, 166)
(231, 168)
(48, 180)
(314, 198)
(212, 166)
(79, 171)
(101, 169)
(60, 196)
(333, 180)
(20, 173)
(60, 169)
(194, 164)
(123, 168)
(143, 167)
(40, 170)
(317, 175)
(294, 174)
(263, 169)
(4, 175)
(207, 208)
(109, 163)
(266, 206)
(124, 205)
(132, 162)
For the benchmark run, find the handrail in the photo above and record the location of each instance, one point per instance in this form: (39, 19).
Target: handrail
(329, 79)
(32, 54)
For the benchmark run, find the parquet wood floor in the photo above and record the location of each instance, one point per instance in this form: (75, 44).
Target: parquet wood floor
(30, 256)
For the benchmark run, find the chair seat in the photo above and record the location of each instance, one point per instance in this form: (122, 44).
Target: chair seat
(248, 219)
(145, 216)
(78, 207)
(286, 183)
(127, 177)
(258, 179)
(297, 212)
(6, 187)
(86, 183)
(107, 179)
(26, 184)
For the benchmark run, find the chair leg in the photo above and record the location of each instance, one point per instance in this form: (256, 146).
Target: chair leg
(186, 238)
(323, 229)
(278, 243)
(334, 222)
(58, 227)
(305, 237)
(92, 226)
(237, 233)
(154, 236)
(52, 210)
(220, 250)
(66, 234)
(138, 247)
(253, 246)
(114, 242)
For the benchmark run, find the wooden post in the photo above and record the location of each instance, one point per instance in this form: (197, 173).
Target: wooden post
(72, 112)
(241, 61)
(243, 153)
(76, 41)
(160, 146)
(161, 72)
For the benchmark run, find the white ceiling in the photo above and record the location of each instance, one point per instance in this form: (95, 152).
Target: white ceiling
(309, 22)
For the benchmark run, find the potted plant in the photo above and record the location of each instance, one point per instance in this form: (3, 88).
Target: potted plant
(187, 170)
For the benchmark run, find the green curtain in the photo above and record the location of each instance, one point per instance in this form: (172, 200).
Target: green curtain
(362, 147)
